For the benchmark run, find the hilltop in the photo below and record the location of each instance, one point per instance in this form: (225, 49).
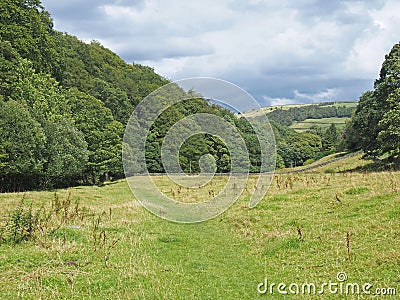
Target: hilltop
(290, 113)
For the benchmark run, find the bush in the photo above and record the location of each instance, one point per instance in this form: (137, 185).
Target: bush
(25, 224)
(322, 154)
(308, 161)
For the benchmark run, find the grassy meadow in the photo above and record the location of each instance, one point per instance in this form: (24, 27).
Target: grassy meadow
(324, 123)
(99, 243)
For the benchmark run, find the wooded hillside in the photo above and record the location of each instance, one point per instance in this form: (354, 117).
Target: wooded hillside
(64, 106)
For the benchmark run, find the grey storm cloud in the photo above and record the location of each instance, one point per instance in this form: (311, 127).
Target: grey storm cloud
(279, 51)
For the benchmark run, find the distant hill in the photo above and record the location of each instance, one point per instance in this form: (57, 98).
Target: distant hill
(302, 116)
(323, 123)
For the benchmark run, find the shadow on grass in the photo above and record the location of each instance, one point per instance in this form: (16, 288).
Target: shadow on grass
(378, 165)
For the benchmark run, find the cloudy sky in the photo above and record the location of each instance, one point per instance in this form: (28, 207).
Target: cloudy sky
(281, 52)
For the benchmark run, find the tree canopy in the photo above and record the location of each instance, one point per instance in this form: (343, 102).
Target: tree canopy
(374, 127)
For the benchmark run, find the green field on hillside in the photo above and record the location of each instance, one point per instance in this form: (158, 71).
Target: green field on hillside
(267, 109)
(324, 123)
(99, 243)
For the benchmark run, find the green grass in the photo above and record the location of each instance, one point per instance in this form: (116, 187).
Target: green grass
(323, 122)
(140, 256)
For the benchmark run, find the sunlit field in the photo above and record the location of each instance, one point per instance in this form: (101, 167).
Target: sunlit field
(323, 123)
(99, 243)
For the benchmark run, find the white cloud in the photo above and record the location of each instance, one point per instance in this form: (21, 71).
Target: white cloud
(278, 101)
(299, 97)
(374, 41)
(317, 97)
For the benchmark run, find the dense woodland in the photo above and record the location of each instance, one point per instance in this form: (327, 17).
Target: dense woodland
(375, 126)
(64, 105)
(63, 102)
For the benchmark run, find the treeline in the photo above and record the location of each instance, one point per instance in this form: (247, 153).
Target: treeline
(200, 144)
(314, 111)
(51, 135)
